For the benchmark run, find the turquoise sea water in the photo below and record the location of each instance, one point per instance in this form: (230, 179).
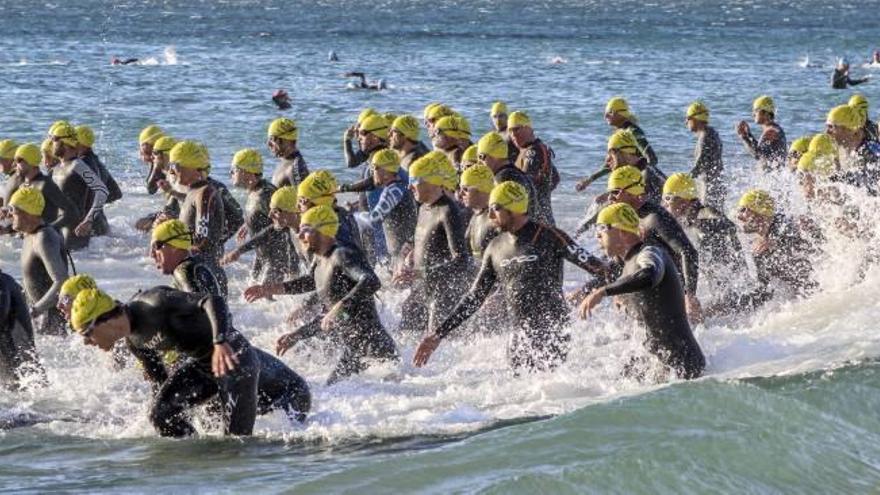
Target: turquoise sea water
(790, 401)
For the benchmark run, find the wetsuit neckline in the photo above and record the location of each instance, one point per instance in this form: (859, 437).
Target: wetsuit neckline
(633, 251)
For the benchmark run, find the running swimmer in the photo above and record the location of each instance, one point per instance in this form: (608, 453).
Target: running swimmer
(619, 116)
(319, 189)
(403, 137)
(797, 149)
(171, 248)
(59, 211)
(476, 185)
(219, 360)
(492, 151)
(526, 262)
(708, 164)
(282, 142)
(535, 159)
(860, 103)
(452, 136)
(770, 149)
(649, 289)
(499, 114)
(860, 157)
(18, 355)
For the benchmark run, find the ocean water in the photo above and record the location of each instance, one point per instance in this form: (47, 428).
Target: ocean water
(789, 403)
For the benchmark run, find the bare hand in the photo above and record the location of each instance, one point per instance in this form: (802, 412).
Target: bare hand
(762, 245)
(743, 128)
(256, 292)
(426, 348)
(575, 297)
(230, 257)
(285, 342)
(329, 319)
(590, 302)
(223, 360)
(83, 229)
(242, 234)
(582, 185)
(404, 277)
(350, 133)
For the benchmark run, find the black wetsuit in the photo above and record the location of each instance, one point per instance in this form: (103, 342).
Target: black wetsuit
(44, 270)
(480, 232)
(414, 154)
(528, 267)
(536, 161)
(202, 212)
(272, 262)
(343, 276)
(232, 211)
(194, 275)
(441, 261)
(509, 172)
(164, 319)
(770, 155)
(719, 246)
(652, 178)
(10, 185)
(290, 171)
(663, 229)
(84, 188)
(840, 79)
(645, 148)
(512, 150)
(59, 212)
(18, 356)
(651, 291)
(863, 167)
(709, 166)
(114, 193)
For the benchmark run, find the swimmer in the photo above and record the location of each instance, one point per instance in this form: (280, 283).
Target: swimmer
(649, 288)
(860, 157)
(18, 355)
(840, 76)
(319, 189)
(128, 61)
(860, 103)
(171, 248)
(770, 149)
(282, 140)
(345, 284)
(499, 114)
(708, 163)
(403, 137)
(535, 159)
(374, 85)
(281, 99)
(59, 211)
(452, 136)
(623, 149)
(797, 149)
(618, 115)
(476, 185)
(492, 151)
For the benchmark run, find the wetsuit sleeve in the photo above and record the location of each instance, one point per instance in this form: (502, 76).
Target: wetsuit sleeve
(855, 82)
(96, 186)
(575, 254)
(602, 172)
(650, 273)
(204, 281)
(153, 179)
(365, 184)
(676, 239)
(751, 145)
(703, 157)
(51, 254)
(258, 239)
(299, 285)
(154, 369)
(68, 211)
(232, 212)
(366, 281)
(471, 302)
(218, 314)
(352, 158)
(388, 200)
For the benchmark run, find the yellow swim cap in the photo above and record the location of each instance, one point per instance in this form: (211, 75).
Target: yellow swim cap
(319, 187)
(844, 116)
(469, 155)
(698, 111)
(249, 160)
(680, 185)
(764, 103)
(498, 108)
(822, 144)
(150, 134)
(814, 163)
(76, 284)
(190, 154)
(284, 198)
(408, 126)
(518, 119)
(627, 178)
(619, 106)
(65, 132)
(30, 153)
(623, 140)
(494, 145)
(366, 113)
(454, 127)
(7, 149)
(89, 305)
(427, 110)
(174, 233)
(389, 117)
(758, 201)
(511, 196)
(283, 128)
(860, 104)
(438, 111)
(479, 176)
(164, 144)
(28, 200)
(433, 168)
(800, 145)
(375, 125)
(321, 218)
(386, 159)
(85, 135)
(620, 216)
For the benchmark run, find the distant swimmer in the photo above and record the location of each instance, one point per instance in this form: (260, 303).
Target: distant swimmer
(650, 290)
(331, 57)
(840, 77)
(373, 85)
(281, 99)
(770, 150)
(219, 361)
(127, 61)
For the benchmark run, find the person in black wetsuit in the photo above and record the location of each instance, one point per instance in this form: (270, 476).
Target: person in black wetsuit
(319, 189)
(860, 104)
(7, 167)
(345, 284)
(272, 260)
(721, 253)
(171, 249)
(281, 99)
(159, 178)
(860, 160)
(403, 137)
(282, 142)
(59, 211)
(499, 115)
(438, 266)
(363, 84)
(535, 159)
(783, 257)
(649, 287)
(86, 138)
(796, 150)
(18, 355)
(770, 149)
(618, 115)
(625, 186)
(351, 137)
(43, 260)
(435, 112)
(492, 151)
(452, 135)
(477, 183)
(526, 262)
(219, 360)
(708, 163)
(840, 76)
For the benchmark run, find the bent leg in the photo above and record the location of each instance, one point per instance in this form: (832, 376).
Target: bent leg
(188, 387)
(279, 387)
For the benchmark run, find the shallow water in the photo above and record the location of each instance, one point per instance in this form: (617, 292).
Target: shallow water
(789, 402)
